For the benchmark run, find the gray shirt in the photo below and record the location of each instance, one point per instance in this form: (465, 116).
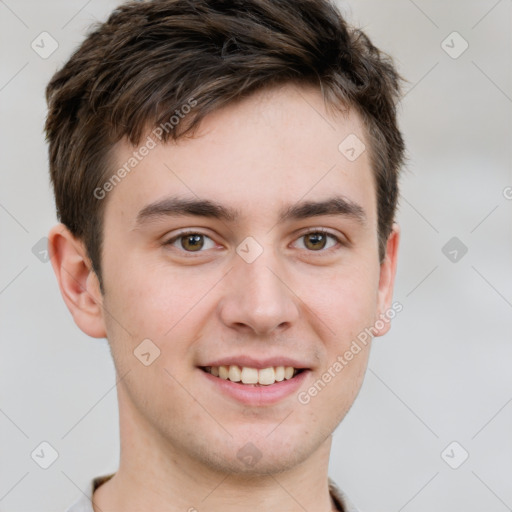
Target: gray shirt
(84, 503)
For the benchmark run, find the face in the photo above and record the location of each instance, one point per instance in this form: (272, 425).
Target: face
(253, 244)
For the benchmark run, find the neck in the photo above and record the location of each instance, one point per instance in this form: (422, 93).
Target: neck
(155, 475)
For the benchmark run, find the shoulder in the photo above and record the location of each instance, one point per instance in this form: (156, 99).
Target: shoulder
(84, 502)
(341, 500)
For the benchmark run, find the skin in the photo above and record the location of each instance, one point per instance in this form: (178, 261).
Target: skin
(179, 436)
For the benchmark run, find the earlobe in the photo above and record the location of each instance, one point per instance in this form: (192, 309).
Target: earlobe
(387, 281)
(77, 280)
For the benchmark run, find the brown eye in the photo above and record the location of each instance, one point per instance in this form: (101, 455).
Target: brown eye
(315, 241)
(192, 242)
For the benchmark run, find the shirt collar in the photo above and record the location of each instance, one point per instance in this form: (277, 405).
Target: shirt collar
(84, 504)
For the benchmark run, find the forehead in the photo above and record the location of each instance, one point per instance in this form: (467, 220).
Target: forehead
(273, 148)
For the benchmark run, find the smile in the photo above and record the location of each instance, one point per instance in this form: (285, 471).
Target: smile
(253, 376)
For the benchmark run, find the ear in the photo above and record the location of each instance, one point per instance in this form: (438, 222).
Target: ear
(387, 281)
(77, 280)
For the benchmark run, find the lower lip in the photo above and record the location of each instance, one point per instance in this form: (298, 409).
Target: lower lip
(257, 395)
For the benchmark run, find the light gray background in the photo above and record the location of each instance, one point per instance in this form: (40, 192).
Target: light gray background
(442, 374)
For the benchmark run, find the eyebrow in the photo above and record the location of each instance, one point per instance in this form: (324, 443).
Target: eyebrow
(176, 206)
(337, 205)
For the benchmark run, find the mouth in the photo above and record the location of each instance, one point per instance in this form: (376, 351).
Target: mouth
(253, 377)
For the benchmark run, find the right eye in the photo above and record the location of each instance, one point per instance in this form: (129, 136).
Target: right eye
(191, 242)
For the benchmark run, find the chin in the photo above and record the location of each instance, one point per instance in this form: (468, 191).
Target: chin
(260, 454)
(262, 463)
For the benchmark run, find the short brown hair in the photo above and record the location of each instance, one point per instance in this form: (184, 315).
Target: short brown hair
(134, 71)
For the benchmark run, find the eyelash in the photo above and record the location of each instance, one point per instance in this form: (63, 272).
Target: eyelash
(338, 241)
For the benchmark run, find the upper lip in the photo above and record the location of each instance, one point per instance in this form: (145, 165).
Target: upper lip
(251, 362)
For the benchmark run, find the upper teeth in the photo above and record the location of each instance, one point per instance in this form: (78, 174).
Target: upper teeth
(248, 375)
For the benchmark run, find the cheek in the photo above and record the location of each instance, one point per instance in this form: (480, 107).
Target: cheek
(346, 301)
(167, 306)
(154, 300)
(331, 395)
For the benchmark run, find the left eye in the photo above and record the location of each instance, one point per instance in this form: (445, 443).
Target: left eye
(192, 242)
(318, 240)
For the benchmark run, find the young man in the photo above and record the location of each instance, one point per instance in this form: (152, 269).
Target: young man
(226, 177)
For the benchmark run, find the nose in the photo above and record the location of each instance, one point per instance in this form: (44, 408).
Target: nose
(257, 298)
